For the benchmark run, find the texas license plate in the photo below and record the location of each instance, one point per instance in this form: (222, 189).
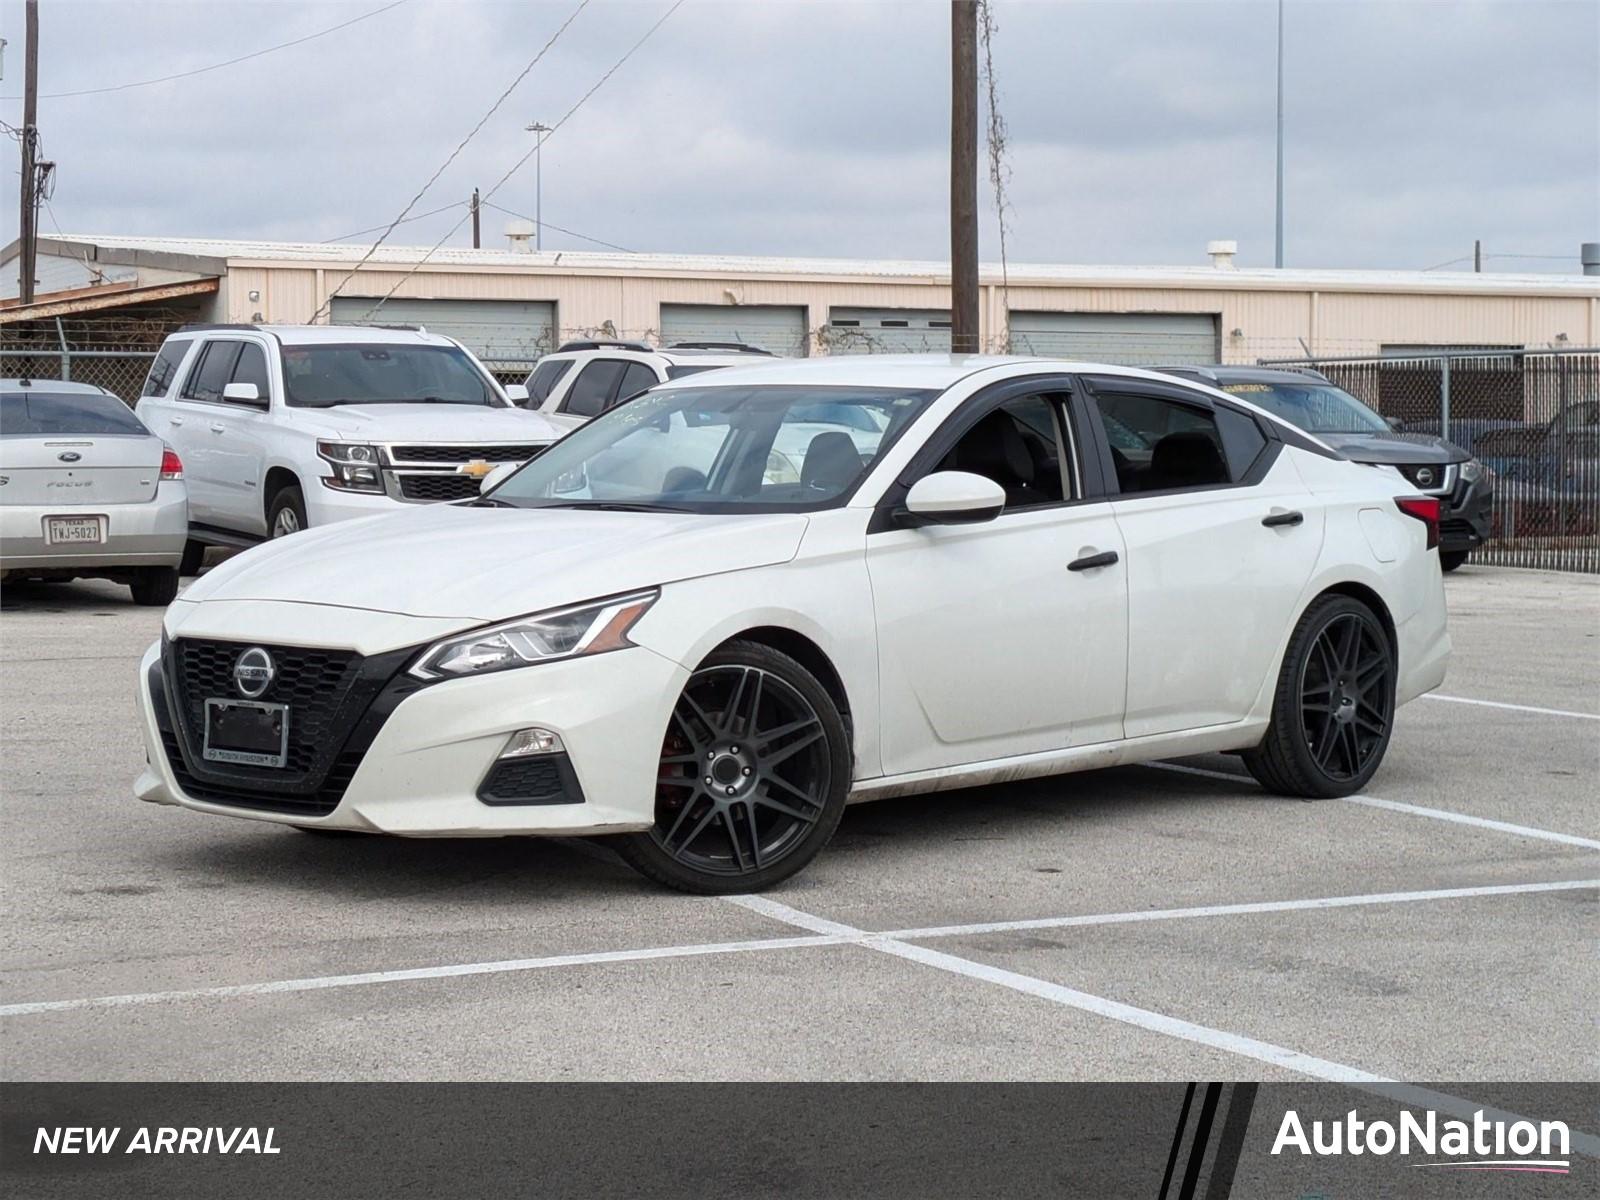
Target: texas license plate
(60, 531)
(247, 732)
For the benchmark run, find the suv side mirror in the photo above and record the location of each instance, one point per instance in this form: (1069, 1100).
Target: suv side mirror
(952, 498)
(1396, 424)
(244, 393)
(517, 393)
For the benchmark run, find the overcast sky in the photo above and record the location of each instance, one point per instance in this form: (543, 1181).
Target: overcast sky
(1139, 130)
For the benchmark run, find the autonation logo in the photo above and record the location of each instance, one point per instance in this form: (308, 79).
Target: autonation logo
(1479, 1145)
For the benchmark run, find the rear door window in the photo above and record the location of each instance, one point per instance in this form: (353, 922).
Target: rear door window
(165, 367)
(1160, 444)
(211, 371)
(252, 368)
(545, 377)
(594, 386)
(50, 414)
(1242, 440)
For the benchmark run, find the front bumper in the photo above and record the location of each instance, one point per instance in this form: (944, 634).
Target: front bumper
(422, 773)
(1465, 516)
(150, 533)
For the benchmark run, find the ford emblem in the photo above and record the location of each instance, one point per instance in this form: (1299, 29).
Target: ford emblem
(254, 672)
(69, 456)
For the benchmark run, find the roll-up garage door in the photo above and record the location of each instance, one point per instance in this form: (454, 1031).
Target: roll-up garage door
(1126, 339)
(497, 331)
(888, 331)
(778, 328)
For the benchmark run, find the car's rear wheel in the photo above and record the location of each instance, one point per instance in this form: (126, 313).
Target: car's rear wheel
(155, 585)
(1449, 560)
(754, 772)
(287, 512)
(1333, 709)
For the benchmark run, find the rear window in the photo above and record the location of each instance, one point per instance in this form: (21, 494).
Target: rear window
(52, 414)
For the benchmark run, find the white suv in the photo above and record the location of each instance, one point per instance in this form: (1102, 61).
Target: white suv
(583, 379)
(284, 427)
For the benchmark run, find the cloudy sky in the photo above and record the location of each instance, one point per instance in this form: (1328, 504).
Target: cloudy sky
(1138, 129)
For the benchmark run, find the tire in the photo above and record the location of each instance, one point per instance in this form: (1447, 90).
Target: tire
(155, 586)
(774, 799)
(1333, 708)
(319, 831)
(1449, 560)
(194, 557)
(286, 513)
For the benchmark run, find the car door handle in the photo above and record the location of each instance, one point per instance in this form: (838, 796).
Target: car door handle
(218, 427)
(177, 420)
(1090, 562)
(1276, 520)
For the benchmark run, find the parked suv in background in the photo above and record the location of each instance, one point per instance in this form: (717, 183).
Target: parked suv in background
(583, 379)
(285, 427)
(86, 491)
(1464, 486)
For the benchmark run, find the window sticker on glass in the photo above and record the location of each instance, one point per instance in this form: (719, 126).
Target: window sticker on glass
(1241, 388)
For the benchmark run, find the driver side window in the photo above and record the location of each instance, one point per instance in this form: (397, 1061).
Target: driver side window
(1021, 445)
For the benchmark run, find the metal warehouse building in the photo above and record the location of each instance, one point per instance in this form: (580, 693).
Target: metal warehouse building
(96, 294)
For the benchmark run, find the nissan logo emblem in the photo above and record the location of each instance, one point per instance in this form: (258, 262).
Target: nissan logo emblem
(1425, 476)
(254, 672)
(69, 456)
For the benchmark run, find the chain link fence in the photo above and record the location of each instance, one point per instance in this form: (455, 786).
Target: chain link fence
(111, 352)
(1532, 417)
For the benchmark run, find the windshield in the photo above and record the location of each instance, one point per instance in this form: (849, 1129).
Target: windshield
(720, 449)
(368, 373)
(47, 414)
(1314, 407)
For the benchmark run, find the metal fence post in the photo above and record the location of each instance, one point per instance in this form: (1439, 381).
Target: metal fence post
(1561, 449)
(66, 354)
(1444, 397)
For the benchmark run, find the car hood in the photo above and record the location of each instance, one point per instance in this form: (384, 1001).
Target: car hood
(1394, 447)
(428, 423)
(488, 564)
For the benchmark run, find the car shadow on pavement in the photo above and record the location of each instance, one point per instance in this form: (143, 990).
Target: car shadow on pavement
(75, 597)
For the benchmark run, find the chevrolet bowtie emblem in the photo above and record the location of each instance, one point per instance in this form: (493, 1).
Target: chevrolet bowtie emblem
(477, 468)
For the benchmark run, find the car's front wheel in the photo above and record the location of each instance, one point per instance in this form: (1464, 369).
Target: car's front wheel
(1334, 705)
(754, 772)
(287, 512)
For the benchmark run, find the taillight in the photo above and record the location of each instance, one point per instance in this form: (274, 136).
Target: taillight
(171, 464)
(1424, 509)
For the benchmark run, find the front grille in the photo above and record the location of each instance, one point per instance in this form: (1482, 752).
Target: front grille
(438, 487)
(337, 701)
(461, 454)
(1438, 475)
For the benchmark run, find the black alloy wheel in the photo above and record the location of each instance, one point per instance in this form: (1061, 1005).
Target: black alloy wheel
(1333, 710)
(753, 775)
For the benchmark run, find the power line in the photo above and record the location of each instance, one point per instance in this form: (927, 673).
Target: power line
(460, 146)
(300, 41)
(499, 183)
(432, 212)
(569, 232)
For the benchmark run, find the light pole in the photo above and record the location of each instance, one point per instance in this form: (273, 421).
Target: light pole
(538, 129)
(1278, 249)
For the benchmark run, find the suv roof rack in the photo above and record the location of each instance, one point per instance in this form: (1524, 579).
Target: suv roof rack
(738, 347)
(205, 326)
(603, 344)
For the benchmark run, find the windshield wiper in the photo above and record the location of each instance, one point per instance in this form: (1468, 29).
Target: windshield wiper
(614, 506)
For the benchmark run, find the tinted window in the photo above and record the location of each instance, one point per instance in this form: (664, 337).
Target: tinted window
(165, 367)
(1242, 440)
(1314, 407)
(211, 371)
(545, 376)
(636, 379)
(1017, 445)
(682, 369)
(35, 413)
(252, 368)
(322, 376)
(593, 387)
(1160, 444)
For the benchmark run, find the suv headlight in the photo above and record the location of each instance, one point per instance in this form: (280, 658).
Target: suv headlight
(591, 628)
(1472, 471)
(355, 467)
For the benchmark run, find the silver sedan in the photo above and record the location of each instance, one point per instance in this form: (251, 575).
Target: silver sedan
(87, 491)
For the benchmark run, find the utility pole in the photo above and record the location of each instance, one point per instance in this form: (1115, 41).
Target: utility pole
(30, 144)
(964, 177)
(476, 204)
(538, 129)
(1477, 257)
(1277, 259)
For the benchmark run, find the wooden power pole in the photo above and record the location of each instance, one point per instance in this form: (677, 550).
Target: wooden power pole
(27, 232)
(964, 177)
(477, 205)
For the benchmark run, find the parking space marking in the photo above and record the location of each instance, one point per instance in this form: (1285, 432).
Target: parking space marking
(1415, 810)
(411, 973)
(1115, 1010)
(1527, 708)
(1235, 910)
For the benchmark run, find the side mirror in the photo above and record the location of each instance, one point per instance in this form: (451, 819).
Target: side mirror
(952, 498)
(244, 393)
(1396, 424)
(517, 393)
(496, 477)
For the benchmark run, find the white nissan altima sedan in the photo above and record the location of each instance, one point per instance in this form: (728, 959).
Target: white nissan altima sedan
(1038, 567)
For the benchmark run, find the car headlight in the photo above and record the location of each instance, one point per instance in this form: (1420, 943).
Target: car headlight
(355, 467)
(591, 628)
(1473, 471)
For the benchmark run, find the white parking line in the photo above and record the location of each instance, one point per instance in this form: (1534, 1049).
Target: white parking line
(1527, 708)
(1415, 810)
(1115, 1010)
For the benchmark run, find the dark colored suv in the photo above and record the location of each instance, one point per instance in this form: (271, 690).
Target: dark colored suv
(1464, 486)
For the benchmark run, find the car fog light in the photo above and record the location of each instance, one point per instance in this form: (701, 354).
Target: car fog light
(525, 742)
